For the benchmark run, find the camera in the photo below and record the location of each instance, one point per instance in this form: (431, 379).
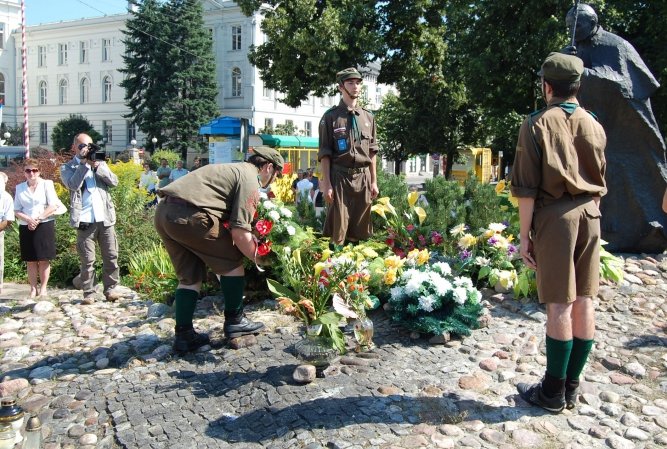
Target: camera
(95, 153)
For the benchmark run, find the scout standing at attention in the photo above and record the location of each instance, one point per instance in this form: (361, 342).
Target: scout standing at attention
(348, 146)
(558, 177)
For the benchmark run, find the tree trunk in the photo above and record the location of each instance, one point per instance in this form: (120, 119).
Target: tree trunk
(397, 167)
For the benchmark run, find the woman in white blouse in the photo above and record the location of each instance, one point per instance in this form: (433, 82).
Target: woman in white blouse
(34, 204)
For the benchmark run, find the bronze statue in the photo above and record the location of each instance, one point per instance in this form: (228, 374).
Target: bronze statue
(616, 86)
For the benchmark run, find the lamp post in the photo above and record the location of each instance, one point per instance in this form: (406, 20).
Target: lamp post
(154, 141)
(500, 165)
(6, 135)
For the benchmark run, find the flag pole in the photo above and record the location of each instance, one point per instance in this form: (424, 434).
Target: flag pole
(24, 90)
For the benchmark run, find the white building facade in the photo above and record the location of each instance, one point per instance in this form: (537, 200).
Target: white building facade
(73, 68)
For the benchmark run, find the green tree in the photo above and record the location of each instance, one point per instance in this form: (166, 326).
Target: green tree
(65, 130)
(16, 134)
(193, 79)
(393, 121)
(170, 85)
(286, 129)
(308, 41)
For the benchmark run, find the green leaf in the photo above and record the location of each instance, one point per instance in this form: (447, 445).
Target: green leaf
(279, 289)
(329, 318)
(484, 272)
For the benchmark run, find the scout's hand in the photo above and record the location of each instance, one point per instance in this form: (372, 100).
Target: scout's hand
(374, 190)
(527, 255)
(327, 192)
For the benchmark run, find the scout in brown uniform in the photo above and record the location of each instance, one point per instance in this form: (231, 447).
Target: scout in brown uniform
(558, 177)
(347, 155)
(205, 220)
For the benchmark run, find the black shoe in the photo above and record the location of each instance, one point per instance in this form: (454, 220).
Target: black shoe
(238, 327)
(571, 398)
(189, 341)
(533, 393)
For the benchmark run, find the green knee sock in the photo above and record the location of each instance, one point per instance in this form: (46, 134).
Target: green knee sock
(185, 301)
(232, 288)
(578, 358)
(558, 356)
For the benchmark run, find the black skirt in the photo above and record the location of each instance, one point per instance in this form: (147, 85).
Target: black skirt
(39, 244)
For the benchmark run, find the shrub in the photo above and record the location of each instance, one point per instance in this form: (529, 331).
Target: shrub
(152, 274)
(170, 156)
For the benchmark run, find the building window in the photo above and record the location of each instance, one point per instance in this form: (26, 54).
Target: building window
(236, 37)
(236, 82)
(2, 35)
(62, 92)
(41, 56)
(106, 131)
(84, 90)
(62, 54)
(268, 93)
(42, 92)
(131, 131)
(84, 52)
(268, 125)
(308, 129)
(43, 133)
(106, 92)
(106, 49)
(412, 165)
(2, 88)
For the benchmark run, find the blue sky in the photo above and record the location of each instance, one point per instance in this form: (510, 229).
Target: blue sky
(44, 11)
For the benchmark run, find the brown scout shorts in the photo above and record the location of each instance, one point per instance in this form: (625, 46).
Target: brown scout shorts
(566, 242)
(349, 216)
(194, 239)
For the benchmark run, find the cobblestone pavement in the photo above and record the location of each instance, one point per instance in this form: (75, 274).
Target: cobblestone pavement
(104, 376)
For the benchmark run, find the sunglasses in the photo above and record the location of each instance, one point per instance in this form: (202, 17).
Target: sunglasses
(82, 146)
(32, 170)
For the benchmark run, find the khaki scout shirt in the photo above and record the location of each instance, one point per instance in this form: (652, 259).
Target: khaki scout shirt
(572, 155)
(336, 124)
(227, 191)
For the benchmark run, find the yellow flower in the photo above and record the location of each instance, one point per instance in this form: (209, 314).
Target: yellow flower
(458, 230)
(413, 254)
(421, 214)
(488, 234)
(423, 257)
(319, 266)
(379, 209)
(412, 198)
(384, 200)
(467, 241)
(513, 200)
(500, 187)
(296, 256)
(393, 262)
(369, 253)
(507, 278)
(390, 277)
(326, 254)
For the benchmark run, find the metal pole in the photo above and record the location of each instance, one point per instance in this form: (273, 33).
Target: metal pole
(24, 64)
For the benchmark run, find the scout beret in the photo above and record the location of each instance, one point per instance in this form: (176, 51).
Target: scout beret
(562, 67)
(348, 73)
(270, 154)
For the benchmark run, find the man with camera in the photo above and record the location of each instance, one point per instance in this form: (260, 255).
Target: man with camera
(93, 214)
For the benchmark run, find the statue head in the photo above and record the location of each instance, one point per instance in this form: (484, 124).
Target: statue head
(587, 21)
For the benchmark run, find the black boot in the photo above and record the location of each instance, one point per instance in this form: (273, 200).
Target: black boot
(238, 325)
(187, 340)
(537, 394)
(571, 392)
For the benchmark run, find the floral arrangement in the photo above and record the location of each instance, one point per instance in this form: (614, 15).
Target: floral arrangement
(273, 226)
(432, 300)
(488, 257)
(406, 232)
(310, 278)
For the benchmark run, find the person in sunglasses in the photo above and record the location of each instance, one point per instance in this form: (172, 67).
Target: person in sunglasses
(35, 203)
(93, 215)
